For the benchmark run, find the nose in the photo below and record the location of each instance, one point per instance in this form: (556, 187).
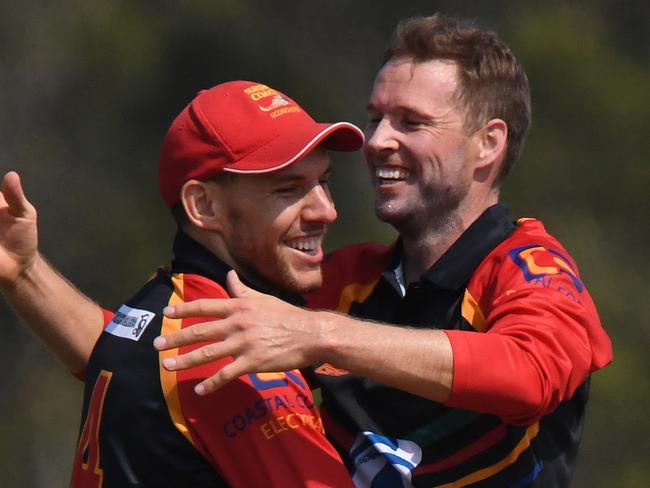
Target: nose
(319, 206)
(380, 136)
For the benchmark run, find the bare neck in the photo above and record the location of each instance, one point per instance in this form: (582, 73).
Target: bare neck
(424, 246)
(423, 251)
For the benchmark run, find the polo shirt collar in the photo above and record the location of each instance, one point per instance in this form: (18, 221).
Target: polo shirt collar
(192, 257)
(458, 263)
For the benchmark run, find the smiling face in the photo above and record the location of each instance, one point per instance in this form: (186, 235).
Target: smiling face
(274, 224)
(417, 149)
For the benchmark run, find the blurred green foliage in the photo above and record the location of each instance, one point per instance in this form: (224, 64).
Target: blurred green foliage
(87, 89)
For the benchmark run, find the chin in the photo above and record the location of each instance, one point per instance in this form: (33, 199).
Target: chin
(388, 215)
(306, 282)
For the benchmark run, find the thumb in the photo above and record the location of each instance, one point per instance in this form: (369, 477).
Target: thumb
(13, 194)
(236, 288)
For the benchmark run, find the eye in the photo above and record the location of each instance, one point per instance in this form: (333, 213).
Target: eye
(373, 119)
(287, 190)
(414, 123)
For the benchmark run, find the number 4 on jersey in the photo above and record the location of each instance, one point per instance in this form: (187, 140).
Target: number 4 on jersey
(87, 472)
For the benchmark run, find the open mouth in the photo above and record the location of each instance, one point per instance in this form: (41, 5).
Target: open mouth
(387, 176)
(307, 245)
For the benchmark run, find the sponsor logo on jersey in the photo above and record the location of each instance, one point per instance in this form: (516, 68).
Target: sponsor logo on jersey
(129, 323)
(328, 370)
(539, 265)
(383, 461)
(290, 407)
(266, 381)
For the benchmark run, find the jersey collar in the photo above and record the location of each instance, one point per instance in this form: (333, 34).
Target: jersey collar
(192, 257)
(455, 267)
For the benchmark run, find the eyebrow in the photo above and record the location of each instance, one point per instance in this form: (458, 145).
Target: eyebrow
(282, 177)
(404, 109)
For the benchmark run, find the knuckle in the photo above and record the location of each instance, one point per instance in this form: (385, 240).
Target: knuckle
(243, 305)
(197, 332)
(207, 353)
(248, 335)
(199, 306)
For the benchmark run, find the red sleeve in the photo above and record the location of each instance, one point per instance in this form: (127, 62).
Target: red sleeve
(252, 428)
(542, 335)
(349, 274)
(108, 316)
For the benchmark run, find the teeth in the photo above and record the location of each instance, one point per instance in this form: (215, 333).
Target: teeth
(392, 173)
(308, 244)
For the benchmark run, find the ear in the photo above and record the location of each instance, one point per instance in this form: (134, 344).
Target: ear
(493, 138)
(202, 203)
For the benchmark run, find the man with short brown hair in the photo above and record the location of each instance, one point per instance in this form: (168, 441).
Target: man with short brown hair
(246, 171)
(484, 375)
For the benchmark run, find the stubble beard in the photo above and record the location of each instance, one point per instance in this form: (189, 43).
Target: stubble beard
(434, 212)
(278, 278)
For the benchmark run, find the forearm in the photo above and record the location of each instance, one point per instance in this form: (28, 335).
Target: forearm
(60, 315)
(419, 361)
(519, 373)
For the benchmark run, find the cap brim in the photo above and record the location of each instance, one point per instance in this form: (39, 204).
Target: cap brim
(291, 148)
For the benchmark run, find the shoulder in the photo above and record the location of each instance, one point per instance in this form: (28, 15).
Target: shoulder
(532, 251)
(359, 258)
(192, 287)
(355, 265)
(529, 259)
(167, 286)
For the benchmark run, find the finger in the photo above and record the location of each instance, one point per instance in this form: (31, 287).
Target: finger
(202, 355)
(237, 289)
(225, 375)
(14, 195)
(4, 188)
(204, 307)
(205, 331)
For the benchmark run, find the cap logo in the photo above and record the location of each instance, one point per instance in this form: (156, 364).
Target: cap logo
(278, 101)
(257, 92)
(278, 105)
(240, 127)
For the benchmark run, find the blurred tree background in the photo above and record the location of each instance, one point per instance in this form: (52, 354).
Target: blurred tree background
(88, 87)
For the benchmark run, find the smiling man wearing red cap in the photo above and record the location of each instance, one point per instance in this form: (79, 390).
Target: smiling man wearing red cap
(484, 375)
(245, 171)
(268, 228)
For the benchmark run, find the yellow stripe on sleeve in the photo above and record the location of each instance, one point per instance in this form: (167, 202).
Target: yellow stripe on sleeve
(168, 379)
(472, 312)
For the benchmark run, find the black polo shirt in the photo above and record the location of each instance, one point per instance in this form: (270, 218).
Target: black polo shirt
(387, 436)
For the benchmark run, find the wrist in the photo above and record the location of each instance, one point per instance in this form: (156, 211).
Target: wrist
(26, 274)
(328, 343)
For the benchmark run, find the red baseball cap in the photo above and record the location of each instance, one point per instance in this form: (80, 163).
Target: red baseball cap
(243, 127)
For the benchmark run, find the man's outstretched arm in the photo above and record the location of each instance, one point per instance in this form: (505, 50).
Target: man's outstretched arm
(263, 333)
(520, 369)
(61, 316)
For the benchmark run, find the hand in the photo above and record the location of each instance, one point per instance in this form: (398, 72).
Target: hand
(18, 231)
(262, 334)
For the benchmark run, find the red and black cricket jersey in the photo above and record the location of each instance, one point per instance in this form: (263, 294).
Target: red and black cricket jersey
(144, 426)
(525, 337)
